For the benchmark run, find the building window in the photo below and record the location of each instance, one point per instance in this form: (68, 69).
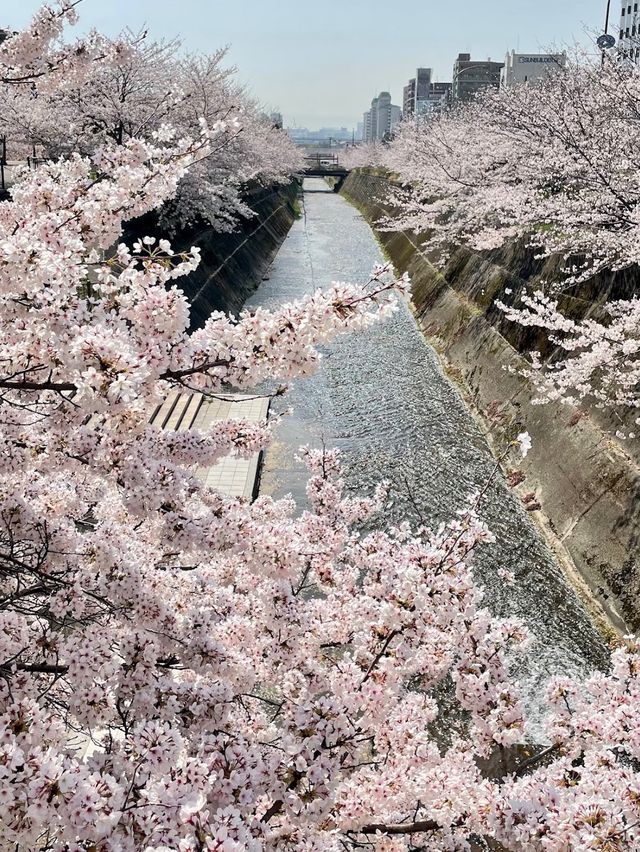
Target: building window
(626, 32)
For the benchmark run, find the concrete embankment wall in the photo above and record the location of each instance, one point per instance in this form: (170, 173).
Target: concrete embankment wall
(586, 481)
(233, 264)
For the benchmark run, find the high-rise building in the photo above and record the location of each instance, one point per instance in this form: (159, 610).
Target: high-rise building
(417, 92)
(423, 86)
(366, 126)
(384, 115)
(379, 121)
(370, 121)
(527, 67)
(423, 97)
(437, 101)
(629, 43)
(409, 98)
(471, 76)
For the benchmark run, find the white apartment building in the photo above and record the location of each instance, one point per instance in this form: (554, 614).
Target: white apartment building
(629, 43)
(379, 121)
(370, 122)
(527, 67)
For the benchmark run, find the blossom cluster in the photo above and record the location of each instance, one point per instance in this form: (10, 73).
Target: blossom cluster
(180, 670)
(551, 161)
(551, 164)
(146, 91)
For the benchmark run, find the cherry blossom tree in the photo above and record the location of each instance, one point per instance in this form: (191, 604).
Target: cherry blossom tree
(591, 220)
(182, 670)
(553, 164)
(554, 161)
(147, 85)
(369, 154)
(257, 153)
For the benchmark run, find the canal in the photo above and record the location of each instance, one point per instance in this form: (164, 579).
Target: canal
(381, 397)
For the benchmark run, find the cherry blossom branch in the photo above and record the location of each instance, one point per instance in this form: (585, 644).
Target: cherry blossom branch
(419, 827)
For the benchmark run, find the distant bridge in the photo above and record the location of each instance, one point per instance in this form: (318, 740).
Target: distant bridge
(325, 165)
(326, 142)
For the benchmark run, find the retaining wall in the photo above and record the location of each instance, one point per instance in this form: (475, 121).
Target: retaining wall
(586, 481)
(232, 265)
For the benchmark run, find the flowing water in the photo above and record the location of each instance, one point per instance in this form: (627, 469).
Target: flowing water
(381, 397)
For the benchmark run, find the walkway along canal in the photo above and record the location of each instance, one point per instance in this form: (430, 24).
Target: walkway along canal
(381, 397)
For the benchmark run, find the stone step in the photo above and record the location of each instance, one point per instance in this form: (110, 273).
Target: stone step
(190, 413)
(177, 412)
(163, 412)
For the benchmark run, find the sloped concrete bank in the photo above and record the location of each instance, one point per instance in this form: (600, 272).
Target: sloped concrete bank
(586, 482)
(233, 264)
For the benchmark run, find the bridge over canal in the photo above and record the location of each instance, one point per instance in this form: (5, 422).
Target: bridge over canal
(325, 165)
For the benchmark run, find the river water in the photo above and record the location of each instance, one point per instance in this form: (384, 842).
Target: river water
(381, 397)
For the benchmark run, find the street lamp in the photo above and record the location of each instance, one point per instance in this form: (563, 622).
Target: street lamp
(606, 41)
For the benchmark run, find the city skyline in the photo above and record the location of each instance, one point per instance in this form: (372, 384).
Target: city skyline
(319, 70)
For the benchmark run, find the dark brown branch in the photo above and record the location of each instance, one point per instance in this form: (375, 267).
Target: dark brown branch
(181, 374)
(39, 386)
(537, 758)
(42, 668)
(380, 654)
(275, 809)
(69, 387)
(420, 827)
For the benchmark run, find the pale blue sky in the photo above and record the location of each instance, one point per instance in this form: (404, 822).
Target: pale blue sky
(322, 62)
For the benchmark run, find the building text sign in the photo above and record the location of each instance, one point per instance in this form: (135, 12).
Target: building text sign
(524, 59)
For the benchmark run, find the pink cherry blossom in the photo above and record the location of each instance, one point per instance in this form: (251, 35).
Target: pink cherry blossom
(181, 670)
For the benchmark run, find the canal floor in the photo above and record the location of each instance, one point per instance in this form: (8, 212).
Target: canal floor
(382, 398)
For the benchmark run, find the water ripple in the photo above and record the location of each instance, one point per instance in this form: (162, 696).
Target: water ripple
(381, 397)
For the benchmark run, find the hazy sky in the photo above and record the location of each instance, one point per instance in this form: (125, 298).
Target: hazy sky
(321, 62)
